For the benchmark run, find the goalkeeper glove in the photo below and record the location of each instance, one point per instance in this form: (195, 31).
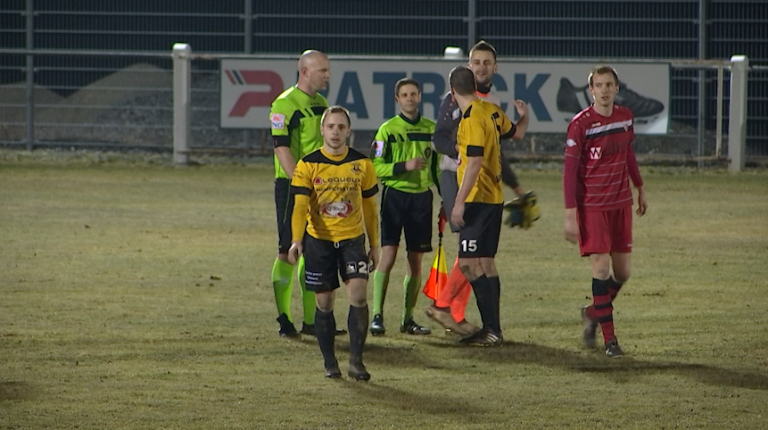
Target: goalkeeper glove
(523, 211)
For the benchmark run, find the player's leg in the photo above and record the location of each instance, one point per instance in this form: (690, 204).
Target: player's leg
(380, 284)
(621, 247)
(322, 278)
(391, 228)
(353, 266)
(488, 247)
(488, 266)
(282, 270)
(474, 244)
(307, 300)
(417, 224)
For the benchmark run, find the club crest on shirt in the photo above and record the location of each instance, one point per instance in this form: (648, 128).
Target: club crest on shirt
(595, 153)
(336, 209)
(427, 152)
(357, 168)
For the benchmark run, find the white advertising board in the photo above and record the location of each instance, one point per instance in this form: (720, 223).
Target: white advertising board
(553, 91)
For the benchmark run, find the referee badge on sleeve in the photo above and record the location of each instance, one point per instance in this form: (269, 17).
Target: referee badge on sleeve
(378, 148)
(278, 121)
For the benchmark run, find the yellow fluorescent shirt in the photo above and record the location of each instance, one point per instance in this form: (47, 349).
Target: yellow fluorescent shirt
(336, 186)
(481, 128)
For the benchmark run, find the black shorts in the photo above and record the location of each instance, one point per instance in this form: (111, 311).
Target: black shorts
(324, 261)
(482, 226)
(284, 205)
(411, 212)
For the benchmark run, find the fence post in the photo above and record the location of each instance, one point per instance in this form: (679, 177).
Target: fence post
(737, 118)
(182, 90)
(471, 24)
(30, 77)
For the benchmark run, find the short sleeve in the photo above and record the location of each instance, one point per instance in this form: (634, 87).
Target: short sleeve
(279, 117)
(474, 131)
(302, 180)
(370, 185)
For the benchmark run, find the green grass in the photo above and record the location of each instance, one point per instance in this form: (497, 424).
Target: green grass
(138, 295)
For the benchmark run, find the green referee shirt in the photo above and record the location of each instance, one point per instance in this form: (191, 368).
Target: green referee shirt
(295, 119)
(399, 140)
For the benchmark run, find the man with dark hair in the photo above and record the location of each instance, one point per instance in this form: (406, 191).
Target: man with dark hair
(407, 167)
(334, 189)
(479, 202)
(599, 163)
(449, 307)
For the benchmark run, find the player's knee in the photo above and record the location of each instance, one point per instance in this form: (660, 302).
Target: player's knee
(356, 290)
(324, 301)
(621, 276)
(467, 270)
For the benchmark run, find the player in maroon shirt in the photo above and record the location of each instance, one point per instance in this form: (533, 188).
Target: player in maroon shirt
(599, 162)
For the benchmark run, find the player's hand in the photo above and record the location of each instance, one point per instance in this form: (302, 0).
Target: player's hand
(571, 226)
(294, 252)
(642, 203)
(417, 163)
(373, 258)
(521, 107)
(457, 216)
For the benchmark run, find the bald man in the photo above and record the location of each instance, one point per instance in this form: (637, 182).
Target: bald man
(295, 123)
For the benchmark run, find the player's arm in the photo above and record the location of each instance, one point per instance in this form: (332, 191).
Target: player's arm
(573, 145)
(522, 124)
(435, 171)
(280, 116)
(474, 155)
(444, 137)
(371, 214)
(382, 155)
(301, 190)
(637, 180)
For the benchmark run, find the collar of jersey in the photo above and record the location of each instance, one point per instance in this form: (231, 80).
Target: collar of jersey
(302, 91)
(483, 90)
(414, 122)
(335, 157)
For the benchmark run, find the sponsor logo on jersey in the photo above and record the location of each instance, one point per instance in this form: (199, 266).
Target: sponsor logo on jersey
(318, 181)
(278, 121)
(337, 209)
(571, 143)
(595, 152)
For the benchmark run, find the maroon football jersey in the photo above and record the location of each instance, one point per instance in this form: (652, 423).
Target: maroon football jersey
(601, 145)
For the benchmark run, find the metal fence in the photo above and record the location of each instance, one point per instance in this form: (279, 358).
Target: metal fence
(122, 97)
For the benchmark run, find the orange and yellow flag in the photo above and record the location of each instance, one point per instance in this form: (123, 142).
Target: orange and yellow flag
(438, 275)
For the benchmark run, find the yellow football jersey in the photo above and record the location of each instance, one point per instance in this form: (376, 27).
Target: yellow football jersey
(482, 127)
(336, 186)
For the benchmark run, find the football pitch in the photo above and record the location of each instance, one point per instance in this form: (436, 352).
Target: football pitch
(137, 295)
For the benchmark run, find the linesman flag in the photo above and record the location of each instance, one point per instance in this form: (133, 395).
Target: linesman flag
(438, 275)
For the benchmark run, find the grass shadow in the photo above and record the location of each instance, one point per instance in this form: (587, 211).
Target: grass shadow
(620, 368)
(15, 390)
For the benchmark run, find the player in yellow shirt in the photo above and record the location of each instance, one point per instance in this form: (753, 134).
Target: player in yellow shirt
(480, 200)
(334, 189)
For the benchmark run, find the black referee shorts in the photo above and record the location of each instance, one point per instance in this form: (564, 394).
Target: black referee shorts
(411, 212)
(284, 207)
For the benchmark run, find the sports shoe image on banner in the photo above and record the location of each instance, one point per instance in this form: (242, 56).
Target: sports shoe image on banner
(572, 100)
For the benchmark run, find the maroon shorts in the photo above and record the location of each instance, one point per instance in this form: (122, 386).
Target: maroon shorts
(603, 232)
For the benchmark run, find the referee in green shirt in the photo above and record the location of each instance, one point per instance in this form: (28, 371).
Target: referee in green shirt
(295, 123)
(407, 166)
